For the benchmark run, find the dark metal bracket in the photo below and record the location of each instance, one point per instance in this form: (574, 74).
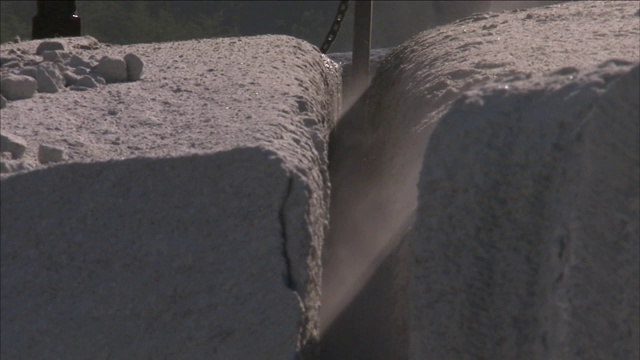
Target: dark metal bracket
(55, 19)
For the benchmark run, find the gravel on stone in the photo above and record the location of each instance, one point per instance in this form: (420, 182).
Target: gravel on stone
(18, 87)
(56, 66)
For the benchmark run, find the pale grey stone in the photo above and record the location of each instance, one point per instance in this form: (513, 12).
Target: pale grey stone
(50, 154)
(70, 78)
(134, 67)
(30, 71)
(152, 255)
(62, 68)
(528, 205)
(12, 166)
(7, 59)
(13, 64)
(13, 144)
(76, 61)
(78, 88)
(49, 78)
(81, 70)
(16, 87)
(469, 289)
(111, 69)
(98, 79)
(87, 81)
(54, 55)
(88, 43)
(49, 45)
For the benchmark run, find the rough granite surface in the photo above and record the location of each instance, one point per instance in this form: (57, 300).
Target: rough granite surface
(187, 220)
(376, 161)
(527, 239)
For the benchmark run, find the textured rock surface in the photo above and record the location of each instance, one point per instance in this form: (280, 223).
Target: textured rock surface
(49, 78)
(172, 163)
(527, 240)
(376, 158)
(48, 154)
(55, 55)
(30, 71)
(134, 67)
(188, 220)
(86, 81)
(13, 144)
(47, 45)
(56, 68)
(111, 69)
(12, 166)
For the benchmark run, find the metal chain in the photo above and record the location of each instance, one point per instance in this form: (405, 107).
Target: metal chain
(333, 32)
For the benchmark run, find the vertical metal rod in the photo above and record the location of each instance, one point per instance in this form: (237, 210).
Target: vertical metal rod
(361, 44)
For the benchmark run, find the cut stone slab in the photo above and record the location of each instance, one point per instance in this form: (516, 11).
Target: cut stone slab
(379, 146)
(526, 244)
(29, 71)
(188, 222)
(81, 71)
